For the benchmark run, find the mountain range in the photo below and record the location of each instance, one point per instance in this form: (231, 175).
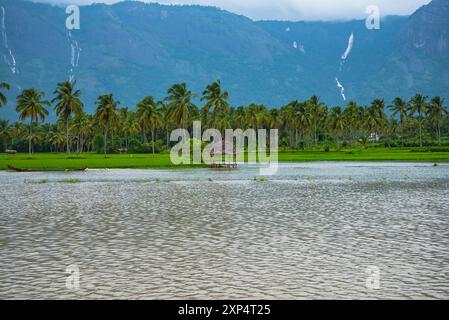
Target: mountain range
(134, 49)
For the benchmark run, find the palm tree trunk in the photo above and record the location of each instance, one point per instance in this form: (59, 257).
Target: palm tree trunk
(145, 136)
(126, 141)
(29, 140)
(67, 135)
(152, 139)
(105, 140)
(167, 138)
(420, 134)
(296, 138)
(292, 138)
(439, 135)
(402, 134)
(303, 139)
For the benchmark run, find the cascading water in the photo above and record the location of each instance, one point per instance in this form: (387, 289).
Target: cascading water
(299, 46)
(8, 57)
(343, 59)
(349, 47)
(342, 89)
(75, 51)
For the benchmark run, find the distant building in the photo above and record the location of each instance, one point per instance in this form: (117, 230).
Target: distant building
(373, 137)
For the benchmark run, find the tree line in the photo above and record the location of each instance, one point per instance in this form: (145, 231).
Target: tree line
(311, 123)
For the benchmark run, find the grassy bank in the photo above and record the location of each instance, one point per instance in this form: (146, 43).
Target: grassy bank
(371, 154)
(60, 161)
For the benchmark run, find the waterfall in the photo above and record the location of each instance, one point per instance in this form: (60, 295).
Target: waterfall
(349, 47)
(342, 89)
(75, 51)
(9, 58)
(345, 56)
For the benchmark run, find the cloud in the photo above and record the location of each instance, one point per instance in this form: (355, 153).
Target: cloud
(290, 9)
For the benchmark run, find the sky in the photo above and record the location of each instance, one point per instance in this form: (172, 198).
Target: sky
(290, 9)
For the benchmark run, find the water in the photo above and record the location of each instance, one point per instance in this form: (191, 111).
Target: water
(311, 231)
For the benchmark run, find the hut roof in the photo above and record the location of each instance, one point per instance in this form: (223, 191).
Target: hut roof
(224, 147)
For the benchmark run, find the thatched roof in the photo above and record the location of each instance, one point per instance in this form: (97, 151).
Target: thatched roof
(224, 147)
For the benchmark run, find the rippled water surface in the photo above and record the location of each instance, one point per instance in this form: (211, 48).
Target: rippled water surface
(311, 231)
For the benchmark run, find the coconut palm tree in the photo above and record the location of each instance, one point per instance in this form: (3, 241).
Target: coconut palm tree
(316, 110)
(303, 118)
(399, 108)
(167, 121)
(216, 99)
(436, 112)
(68, 102)
(78, 123)
(87, 132)
(15, 132)
(264, 117)
(124, 115)
(275, 119)
(255, 116)
(351, 118)
(336, 123)
(222, 122)
(378, 106)
(31, 104)
(239, 117)
(375, 118)
(181, 108)
(56, 139)
(150, 116)
(288, 117)
(106, 115)
(131, 127)
(418, 105)
(4, 132)
(3, 99)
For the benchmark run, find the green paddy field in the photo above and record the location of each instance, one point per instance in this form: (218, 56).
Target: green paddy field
(62, 161)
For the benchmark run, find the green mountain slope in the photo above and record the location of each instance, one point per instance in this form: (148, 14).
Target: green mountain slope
(134, 49)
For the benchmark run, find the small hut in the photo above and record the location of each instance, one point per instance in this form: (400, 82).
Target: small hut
(226, 149)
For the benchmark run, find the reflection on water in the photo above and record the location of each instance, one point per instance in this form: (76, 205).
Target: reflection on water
(311, 231)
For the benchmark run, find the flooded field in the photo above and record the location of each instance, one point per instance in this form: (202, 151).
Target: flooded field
(314, 230)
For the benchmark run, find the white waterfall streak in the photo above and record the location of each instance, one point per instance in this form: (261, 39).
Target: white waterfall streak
(5, 39)
(9, 58)
(75, 51)
(299, 46)
(342, 89)
(342, 62)
(349, 48)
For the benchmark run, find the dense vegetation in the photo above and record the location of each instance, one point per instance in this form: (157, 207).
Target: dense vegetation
(304, 125)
